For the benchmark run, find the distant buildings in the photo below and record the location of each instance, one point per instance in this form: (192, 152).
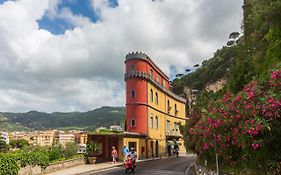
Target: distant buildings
(116, 128)
(50, 137)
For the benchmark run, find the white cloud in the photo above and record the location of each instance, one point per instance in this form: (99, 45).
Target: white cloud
(83, 68)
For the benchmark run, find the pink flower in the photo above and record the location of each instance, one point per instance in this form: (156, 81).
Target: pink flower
(205, 146)
(255, 146)
(250, 94)
(271, 99)
(274, 75)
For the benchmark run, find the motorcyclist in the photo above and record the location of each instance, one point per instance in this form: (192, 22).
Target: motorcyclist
(133, 155)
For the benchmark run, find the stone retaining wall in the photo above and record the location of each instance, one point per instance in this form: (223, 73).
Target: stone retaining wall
(37, 170)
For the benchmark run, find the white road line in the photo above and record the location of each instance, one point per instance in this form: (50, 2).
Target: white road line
(163, 172)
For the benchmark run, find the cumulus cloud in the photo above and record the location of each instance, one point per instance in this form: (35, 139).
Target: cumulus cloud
(83, 68)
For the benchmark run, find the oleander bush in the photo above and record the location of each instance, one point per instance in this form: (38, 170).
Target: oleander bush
(242, 129)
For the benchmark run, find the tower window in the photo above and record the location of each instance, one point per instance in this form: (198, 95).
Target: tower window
(133, 94)
(176, 110)
(133, 123)
(133, 67)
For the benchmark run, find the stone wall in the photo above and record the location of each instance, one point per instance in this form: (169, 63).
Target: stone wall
(37, 170)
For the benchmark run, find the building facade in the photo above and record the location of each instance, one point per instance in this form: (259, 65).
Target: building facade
(152, 109)
(153, 113)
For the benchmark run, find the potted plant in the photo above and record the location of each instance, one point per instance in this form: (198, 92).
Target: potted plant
(91, 152)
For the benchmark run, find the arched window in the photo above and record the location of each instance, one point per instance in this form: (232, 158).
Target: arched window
(133, 94)
(156, 122)
(151, 95)
(133, 123)
(156, 98)
(168, 106)
(151, 121)
(176, 110)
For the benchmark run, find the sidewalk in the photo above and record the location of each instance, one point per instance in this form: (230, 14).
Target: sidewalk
(81, 169)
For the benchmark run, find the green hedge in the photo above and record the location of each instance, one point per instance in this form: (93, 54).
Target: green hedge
(11, 162)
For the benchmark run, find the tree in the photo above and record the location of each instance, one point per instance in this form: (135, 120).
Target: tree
(19, 143)
(70, 150)
(3, 146)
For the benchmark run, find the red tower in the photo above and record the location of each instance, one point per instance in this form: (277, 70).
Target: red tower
(136, 92)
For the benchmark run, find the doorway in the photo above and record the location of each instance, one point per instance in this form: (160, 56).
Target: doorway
(156, 149)
(151, 148)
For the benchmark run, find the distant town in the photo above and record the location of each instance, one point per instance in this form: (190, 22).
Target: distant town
(55, 136)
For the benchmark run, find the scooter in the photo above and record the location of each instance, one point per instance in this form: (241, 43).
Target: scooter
(129, 164)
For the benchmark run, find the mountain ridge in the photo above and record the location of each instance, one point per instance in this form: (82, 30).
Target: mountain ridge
(102, 116)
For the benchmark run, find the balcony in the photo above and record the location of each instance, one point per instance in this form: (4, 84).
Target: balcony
(173, 133)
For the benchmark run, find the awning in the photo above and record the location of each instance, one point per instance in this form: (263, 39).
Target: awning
(171, 143)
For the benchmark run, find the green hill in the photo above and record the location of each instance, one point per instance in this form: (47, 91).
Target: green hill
(250, 57)
(104, 116)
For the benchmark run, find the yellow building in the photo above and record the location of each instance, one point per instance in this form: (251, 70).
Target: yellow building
(149, 95)
(153, 112)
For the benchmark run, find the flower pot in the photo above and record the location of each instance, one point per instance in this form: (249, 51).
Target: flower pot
(92, 160)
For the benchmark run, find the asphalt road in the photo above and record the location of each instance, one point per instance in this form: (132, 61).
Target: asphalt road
(169, 166)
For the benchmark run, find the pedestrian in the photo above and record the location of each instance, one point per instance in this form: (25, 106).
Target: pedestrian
(114, 155)
(125, 151)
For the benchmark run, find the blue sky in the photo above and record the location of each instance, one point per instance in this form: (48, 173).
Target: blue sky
(77, 7)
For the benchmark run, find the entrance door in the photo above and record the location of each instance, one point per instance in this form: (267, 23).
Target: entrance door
(151, 148)
(133, 145)
(156, 149)
(112, 141)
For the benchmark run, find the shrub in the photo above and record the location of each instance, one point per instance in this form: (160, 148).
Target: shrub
(242, 128)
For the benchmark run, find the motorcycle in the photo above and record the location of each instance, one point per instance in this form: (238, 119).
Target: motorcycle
(130, 164)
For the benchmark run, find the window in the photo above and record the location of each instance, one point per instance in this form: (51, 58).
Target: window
(132, 67)
(133, 94)
(151, 95)
(164, 83)
(151, 121)
(156, 122)
(157, 79)
(168, 126)
(168, 106)
(156, 98)
(151, 72)
(176, 127)
(176, 110)
(133, 123)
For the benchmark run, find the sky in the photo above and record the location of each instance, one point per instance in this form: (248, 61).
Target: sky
(68, 55)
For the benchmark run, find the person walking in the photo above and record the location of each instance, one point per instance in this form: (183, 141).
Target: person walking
(125, 151)
(114, 155)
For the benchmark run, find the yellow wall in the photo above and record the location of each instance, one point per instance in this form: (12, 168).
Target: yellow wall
(140, 142)
(161, 110)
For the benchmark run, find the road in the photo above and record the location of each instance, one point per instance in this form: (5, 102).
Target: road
(169, 166)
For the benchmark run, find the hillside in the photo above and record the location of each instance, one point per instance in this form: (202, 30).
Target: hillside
(241, 122)
(210, 71)
(104, 116)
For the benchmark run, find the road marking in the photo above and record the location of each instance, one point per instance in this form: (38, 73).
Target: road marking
(163, 172)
